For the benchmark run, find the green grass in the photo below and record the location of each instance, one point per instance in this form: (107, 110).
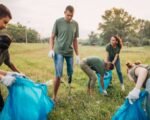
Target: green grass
(32, 60)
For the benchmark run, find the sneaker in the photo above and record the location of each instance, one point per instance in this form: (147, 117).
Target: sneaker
(122, 87)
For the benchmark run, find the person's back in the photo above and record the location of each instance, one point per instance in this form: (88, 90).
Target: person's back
(96, 64)
(135, 77)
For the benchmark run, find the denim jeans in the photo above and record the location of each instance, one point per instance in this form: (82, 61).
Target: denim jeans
(59, 61)
(118, 69)
(148, 98)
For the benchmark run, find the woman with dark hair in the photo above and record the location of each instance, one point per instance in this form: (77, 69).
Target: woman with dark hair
(140, 74)
(113, 51)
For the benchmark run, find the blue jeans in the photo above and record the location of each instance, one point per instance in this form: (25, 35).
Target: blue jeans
(118, 69)
(148, 98)
(59, 61)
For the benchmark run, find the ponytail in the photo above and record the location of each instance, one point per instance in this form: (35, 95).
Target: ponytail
(129, 64)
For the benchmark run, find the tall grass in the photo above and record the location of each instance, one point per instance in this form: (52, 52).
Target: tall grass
(32, 60)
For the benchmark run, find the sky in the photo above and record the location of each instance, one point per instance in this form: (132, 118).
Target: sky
(41, 14)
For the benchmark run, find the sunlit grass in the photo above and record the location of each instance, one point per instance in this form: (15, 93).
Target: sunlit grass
(32, 60)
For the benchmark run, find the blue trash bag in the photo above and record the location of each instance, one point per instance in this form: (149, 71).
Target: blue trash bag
(133, 111)
(107, 80)
(26, 100)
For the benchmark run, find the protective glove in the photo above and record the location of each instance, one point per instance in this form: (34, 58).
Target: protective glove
(133, 95)
(15, 74)
(105, 92)
(7, 80)
(51, 54)
(77, 59)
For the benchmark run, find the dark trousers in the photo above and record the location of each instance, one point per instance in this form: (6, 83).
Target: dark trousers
(1, 102)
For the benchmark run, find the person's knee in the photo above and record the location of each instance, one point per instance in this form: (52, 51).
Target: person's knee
(93, 81)
(93, 78)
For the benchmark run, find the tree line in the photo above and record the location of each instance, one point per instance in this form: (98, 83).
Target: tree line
(21, 34)
(116, 21)
(135, 32)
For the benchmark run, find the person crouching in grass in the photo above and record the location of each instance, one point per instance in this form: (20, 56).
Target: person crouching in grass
(92, 65)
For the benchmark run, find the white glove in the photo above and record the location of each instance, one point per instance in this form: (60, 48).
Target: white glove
(51, 54)
(49, 82)
(15, 74)
(77, 60)
(133, 95)
(105, 92)
(8, 80)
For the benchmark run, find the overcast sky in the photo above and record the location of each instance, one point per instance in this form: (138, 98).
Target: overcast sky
(41, 14)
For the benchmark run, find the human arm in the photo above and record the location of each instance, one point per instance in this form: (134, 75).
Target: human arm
(75, 46)
(9, 63)
(102, 84)
(107, 57)
(2, 73)
(107, 53)
(51, 44)
(142, 74)
(115, 58)
(52, 40)
(130, 77)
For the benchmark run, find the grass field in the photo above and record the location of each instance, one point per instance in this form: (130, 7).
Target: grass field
(32, 60)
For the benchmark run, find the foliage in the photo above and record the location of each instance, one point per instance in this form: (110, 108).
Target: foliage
(119, 22)
(21, 33)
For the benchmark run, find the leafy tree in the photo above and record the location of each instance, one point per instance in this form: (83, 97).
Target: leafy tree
(21, 33)
(116, 22)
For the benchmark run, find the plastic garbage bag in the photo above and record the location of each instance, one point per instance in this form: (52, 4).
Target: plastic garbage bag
(26, 100)
(133, 111)
(107, 80)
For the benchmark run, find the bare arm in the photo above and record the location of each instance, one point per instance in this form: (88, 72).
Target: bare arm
(12, 67)
(142, 74)
(2, 73)
(75, 46)
(107, 57)
(51, 41)
(130, 77)
(102, 82)
(8, 62)
(115, 59)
